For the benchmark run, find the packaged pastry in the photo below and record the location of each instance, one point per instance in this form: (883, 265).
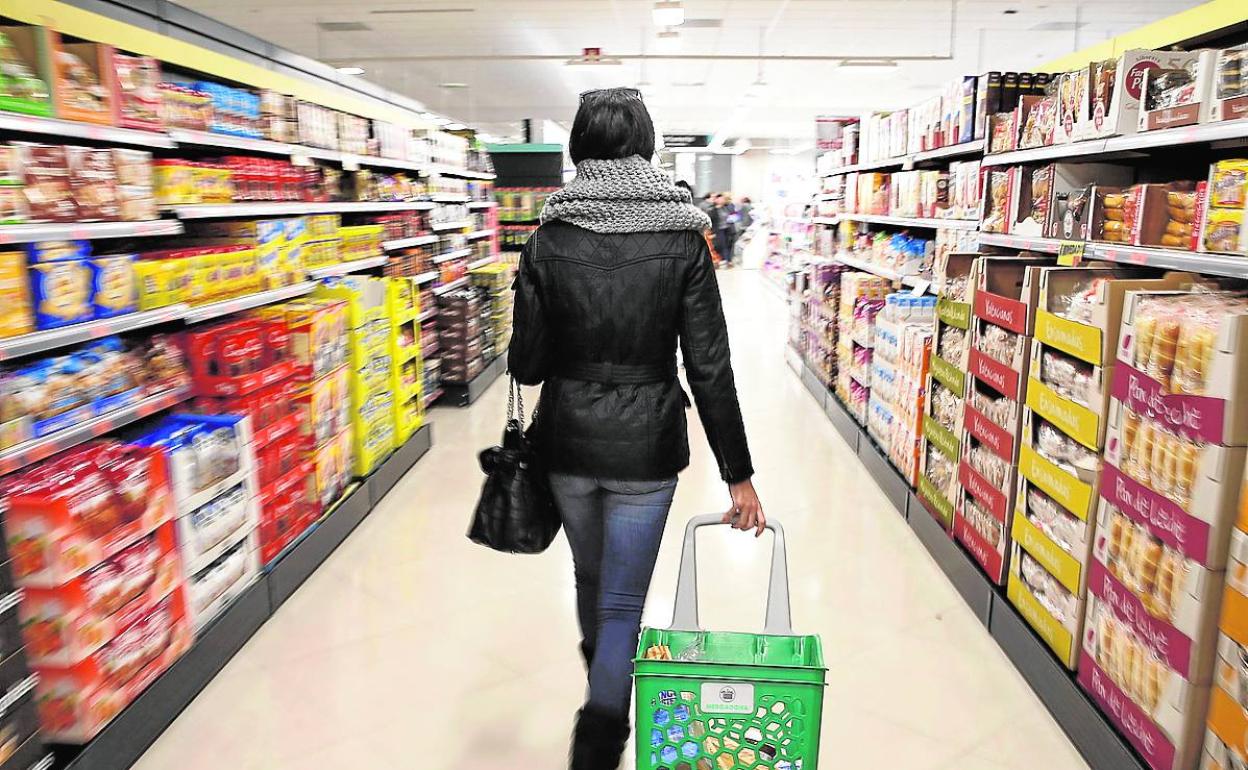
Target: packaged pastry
(984, 523)
(80, 92)
(997, 408)
(1176, 337)
(1061, 449)
(999, 343)
(1061, 604)
(997, 203)
(137, 80)
(946, 406)
(952, 343)
(1158, 459)
(1130, 663)
(45, 183)
(988, 464)
(1062, 527)
(93, 181)
(940, 469)
(1069, 377)
(1149, 568)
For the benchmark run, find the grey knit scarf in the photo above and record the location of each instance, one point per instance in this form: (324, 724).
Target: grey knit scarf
(627, 195)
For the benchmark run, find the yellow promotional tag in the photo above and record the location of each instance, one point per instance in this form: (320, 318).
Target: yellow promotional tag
(1070, 253)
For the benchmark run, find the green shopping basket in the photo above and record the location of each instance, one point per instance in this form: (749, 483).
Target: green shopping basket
(727, 700)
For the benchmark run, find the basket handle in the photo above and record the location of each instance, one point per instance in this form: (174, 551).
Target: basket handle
(685, 616)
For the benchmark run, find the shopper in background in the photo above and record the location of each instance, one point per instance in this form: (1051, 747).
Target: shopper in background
(615, 275)
(725, 221)
(746, 209)
(707, 202)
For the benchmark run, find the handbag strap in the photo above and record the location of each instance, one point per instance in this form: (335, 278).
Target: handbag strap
(515, 396)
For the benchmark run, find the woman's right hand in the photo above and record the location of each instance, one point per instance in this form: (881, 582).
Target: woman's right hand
(746, 512)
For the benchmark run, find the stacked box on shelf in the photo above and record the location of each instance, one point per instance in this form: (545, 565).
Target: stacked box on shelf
(103, 609)
(1064, 432)
(862, 296)
(369, 353)
(494, 280)
(246, 367)
(459, 336)
(1173, 467)
(903, 344)
(1226, 742)
(406, 361)
(817, 321)
(1006, 296)
(319, 349)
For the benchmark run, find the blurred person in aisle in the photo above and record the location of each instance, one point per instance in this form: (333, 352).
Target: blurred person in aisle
(745, 209)
(621, 248)
(725, 223)
(707, 202)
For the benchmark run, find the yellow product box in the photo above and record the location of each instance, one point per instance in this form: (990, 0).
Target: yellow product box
(174, 182)
(161, 282)
(364, 297)
(16, 315)
(212, 183)
(319, 253)
(1084, 423)
(323, 226)
(1072, 492)
(360, 241)
(1055, 613)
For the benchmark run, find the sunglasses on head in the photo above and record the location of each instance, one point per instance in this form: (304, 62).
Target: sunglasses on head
(598, 93)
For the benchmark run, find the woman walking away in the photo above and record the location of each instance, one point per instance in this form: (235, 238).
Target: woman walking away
(615, 275)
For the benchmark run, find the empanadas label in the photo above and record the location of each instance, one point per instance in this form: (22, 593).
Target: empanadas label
(991, 435)
(1002, 311)
(1160, 515)
(1067, 490)
(1079, 340)
(995, 374)
(1198, 418)
(1166, 641)
(1050, 629)
(992, 499)
(1075, 420)
(1051, 556)
(941, 437)
(954, 313)
(1131, 720)
(948, 375)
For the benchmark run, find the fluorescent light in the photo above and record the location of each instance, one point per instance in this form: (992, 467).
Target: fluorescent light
(350, 70)
(454, 127)
(669, 13)
(884, 63)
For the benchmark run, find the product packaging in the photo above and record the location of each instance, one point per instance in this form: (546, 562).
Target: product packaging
(25, 85)
(1230, 88)
(1179, 93)
(83, 86)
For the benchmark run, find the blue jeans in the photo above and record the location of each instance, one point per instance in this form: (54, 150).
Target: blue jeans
(614, 529)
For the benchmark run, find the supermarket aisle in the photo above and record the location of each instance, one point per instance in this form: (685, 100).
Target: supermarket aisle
(413, 648)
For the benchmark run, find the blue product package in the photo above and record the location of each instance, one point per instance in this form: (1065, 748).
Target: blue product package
(57, 251)
(114, 290)
(62, 293)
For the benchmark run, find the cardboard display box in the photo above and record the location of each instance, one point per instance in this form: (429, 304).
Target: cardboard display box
(1037, 191)
(1197, 96)
(1060, 633)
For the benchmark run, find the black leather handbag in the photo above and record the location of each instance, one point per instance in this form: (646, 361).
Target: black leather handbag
(516, 512)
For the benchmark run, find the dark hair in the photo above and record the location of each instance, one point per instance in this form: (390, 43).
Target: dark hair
(684, 184)
(611, 123)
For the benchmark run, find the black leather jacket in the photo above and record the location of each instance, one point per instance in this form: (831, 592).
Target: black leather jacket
(597, 318)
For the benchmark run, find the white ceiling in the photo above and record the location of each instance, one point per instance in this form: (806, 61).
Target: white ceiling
(414, 46)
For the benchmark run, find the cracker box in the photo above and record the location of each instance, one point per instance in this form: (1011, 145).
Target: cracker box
(62, 293)
(62, 625)
(113, 288)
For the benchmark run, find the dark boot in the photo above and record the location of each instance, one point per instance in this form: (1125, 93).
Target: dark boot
(587, 653)
(597, 740)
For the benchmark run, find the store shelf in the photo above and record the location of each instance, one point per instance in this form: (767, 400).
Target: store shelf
(202, 313)
(424, 278)
(920, 282)
(952, 151)
(405, 243)
(459, 225)
(212, 139)
(826, 220)
(482, 204)
(32, 451)
(871, 165)
(482, 262)
(124, 740)
(934, 224)
(1088, 729)
(74, 130)
(88, 230)
(343, 268)
(427, 315)
(463, 394)
(292, 208)
(1206, 133)
(455, 284)
(1021, 242)
(887, 478)
(451, 255)
(462, 173)
(375, 161)
(448, 198)
(38, 342)
(1169, 259)
(400, 462)
(475, 234)
(433, 396)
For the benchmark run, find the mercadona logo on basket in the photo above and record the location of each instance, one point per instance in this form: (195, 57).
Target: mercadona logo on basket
(722, 698)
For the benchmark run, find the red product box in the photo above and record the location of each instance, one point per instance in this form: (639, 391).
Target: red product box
(275, 333)
(242, 384)
(76, 702)
(63, 625)
(69, 515)
(286, 510)
(203, 347)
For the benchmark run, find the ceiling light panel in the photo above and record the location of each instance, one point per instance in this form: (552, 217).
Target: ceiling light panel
(343, 26)
(669, 13)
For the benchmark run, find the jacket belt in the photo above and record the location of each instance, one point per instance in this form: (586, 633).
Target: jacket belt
(619, 374)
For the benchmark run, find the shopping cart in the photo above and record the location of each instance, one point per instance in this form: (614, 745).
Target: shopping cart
(711, 700)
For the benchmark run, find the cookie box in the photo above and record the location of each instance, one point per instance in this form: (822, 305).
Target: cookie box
(83, 85)
(206, 454)
(217, 585)
(214, 527)
(113, 288)
(1219, 414)
(317, 336)
(62, 293)
(286, 511)
(1049, 607)
(64, 624)
(1169, 103)
(65, 516)
(226, 385)
(326, 405)
(1130, 677)
(75, 702)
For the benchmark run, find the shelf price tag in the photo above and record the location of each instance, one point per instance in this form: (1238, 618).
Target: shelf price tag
(1070, 253)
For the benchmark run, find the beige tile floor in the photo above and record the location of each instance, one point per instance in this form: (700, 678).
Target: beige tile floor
(413, 649)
